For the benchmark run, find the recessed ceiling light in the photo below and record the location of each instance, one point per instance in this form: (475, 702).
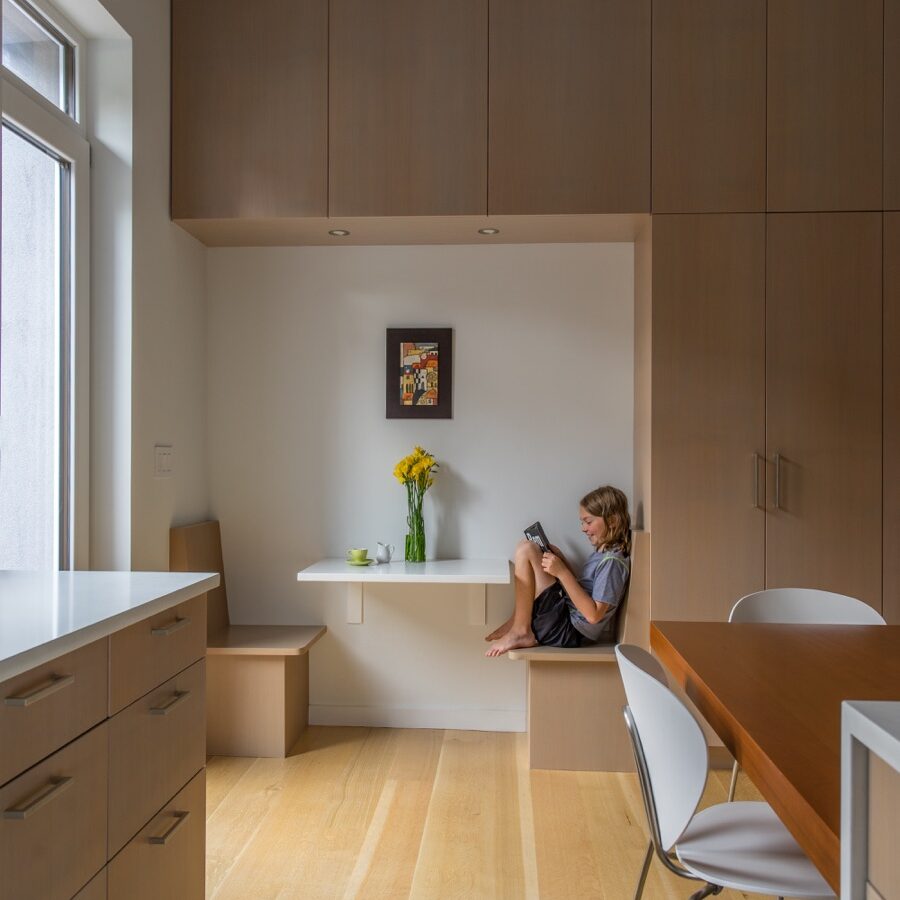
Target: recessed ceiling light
(489, 231)
(339, 232)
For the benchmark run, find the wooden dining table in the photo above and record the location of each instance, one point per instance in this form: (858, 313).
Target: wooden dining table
(773, 694)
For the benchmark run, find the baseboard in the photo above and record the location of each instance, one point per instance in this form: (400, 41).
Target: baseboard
(406, 717)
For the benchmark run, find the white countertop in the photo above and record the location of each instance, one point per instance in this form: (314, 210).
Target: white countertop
(437, 571)
(46, 614)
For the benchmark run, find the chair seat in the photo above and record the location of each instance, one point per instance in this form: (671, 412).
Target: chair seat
(264, 640)
(745, 846)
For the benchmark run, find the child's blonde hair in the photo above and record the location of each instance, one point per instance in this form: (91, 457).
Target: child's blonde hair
(612, 506)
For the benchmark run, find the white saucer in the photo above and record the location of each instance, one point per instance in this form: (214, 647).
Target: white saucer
(362, 562)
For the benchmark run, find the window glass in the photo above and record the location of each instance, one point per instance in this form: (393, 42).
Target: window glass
(33, 50)
(33, 453)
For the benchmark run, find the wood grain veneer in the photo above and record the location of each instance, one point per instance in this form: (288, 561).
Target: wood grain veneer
(569, 106)
(823, 402)
(824, 105)
(200, 545)
(55, 851)
(708, 412)
(140, 660)
(883, 827)
(773, 694)
(29, 733)
(95, 889)
(709, 106)
(892, 104)
(151, 755)
(891, 457)
(249, 108)
(149, 871)
(407, 108)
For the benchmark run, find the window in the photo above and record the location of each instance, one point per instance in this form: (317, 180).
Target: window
(43, 293)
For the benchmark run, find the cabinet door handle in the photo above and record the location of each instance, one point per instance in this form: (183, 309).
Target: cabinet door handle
(756, 481)
(777, 481)
(41, 798)
(180, 819)
(176, 625)
(165, 708)
(45, 689)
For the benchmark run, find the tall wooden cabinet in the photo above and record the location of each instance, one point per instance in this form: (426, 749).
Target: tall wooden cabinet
(569, 106)
(249, 108)
(892, 104)
(709, 106)
(823, 402)
(891, 538)
(824, 109)
(708, 396)
(407, 108)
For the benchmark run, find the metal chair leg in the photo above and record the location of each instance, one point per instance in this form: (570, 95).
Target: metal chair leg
(734, 775)
(710, 889)
(648, 856)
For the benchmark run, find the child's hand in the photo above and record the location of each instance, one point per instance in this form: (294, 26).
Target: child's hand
(552, 564)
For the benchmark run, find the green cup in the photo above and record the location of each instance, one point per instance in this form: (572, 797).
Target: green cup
(358, 554)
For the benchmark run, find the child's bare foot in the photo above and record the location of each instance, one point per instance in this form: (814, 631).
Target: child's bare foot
(512, 640)
(499, 632)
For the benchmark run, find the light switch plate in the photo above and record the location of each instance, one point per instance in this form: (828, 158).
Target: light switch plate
(162, 460)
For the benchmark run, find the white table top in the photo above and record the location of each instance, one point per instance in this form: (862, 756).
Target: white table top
(46, 614)
(437, 571)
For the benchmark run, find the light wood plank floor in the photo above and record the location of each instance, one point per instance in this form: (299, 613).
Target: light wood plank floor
(393, 813)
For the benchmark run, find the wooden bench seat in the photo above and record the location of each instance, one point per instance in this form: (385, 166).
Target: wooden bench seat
(575, 695)
(257, 676)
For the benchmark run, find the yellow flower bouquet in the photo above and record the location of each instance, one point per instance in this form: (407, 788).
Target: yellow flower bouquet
(415, 471)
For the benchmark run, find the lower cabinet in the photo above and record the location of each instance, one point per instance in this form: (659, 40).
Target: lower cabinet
(165, 858)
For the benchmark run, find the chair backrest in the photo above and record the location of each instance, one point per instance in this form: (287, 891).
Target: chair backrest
(198, 548)
(671, 740)
(803, 606)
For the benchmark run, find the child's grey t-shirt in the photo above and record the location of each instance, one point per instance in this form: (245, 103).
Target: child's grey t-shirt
(605, 578)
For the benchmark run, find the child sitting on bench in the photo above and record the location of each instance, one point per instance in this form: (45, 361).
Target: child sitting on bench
(556, 608)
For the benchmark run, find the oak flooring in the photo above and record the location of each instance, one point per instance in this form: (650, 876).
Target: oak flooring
(434, 815)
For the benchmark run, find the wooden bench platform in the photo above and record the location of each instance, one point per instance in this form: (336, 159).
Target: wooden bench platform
(257, 676)
(575, 695)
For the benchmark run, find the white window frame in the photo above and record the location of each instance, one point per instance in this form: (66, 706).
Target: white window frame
(32, 114)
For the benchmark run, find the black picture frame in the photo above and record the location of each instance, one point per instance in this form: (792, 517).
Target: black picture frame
(395, 374)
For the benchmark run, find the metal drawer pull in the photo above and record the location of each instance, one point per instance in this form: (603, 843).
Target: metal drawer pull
(777, 481)
(165, 708)
(166, 630)
(180, 819)
(56, 683)
(42, 798)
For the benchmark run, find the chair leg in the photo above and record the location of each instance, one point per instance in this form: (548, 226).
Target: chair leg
(734, 774)
(710, 889)
(648, 856)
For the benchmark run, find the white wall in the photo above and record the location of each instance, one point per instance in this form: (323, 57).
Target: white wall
(301, 453)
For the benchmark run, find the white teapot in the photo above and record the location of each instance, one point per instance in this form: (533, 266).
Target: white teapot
(383, 552)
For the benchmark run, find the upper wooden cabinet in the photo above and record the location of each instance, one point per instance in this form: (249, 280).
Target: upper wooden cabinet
(892, 104)
(709, 106)
(891, 457)
(824, 106)
(407, 108)
(824, 402)
(569, 106)
(249, 108)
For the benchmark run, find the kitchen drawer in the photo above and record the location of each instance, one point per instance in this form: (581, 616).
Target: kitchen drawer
(167, 858)
(53, 822)
(95, 889)
(48, 706)
(155, 746)
(144, 655)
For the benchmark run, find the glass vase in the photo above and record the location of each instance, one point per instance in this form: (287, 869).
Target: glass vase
(415, 538)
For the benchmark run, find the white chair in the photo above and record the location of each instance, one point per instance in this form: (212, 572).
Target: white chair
(741, 845)
(799, 606)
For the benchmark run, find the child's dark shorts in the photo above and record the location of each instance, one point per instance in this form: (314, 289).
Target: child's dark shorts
(550, 620)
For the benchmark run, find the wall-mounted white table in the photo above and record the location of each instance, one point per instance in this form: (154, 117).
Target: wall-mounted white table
(476, 574)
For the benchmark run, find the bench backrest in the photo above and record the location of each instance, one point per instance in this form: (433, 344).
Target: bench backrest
(633, 621)
(198, 548)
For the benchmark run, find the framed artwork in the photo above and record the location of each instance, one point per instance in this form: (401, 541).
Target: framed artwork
(419, 373)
